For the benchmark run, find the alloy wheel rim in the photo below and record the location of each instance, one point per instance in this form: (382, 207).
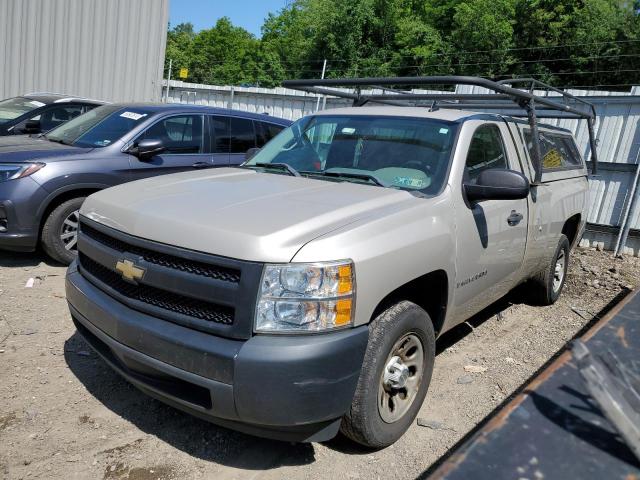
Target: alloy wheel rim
(401, 378)
(69, 231)
(558, 273)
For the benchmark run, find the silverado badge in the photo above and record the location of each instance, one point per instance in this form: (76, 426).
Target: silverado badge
(129, 271)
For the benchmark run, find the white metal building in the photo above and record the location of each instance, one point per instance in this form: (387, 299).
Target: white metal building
(105, 49)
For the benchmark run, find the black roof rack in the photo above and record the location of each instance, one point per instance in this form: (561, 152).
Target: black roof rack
(517, 102)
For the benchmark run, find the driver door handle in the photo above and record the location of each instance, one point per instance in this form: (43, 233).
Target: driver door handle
(201, 165)
(514, 219)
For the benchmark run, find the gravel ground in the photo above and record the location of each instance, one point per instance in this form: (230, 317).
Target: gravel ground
(64, 414)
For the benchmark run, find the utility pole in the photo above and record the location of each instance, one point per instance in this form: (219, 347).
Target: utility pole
(166, 92)
(324, 68)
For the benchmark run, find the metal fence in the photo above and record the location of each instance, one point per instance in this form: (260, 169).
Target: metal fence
(617, 130)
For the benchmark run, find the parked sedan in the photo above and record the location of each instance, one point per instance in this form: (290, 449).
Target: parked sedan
(44, 179)
(41, 112)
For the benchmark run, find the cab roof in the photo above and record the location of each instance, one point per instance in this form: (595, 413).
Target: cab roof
(449, 115)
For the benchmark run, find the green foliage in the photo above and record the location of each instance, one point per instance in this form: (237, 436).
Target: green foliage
(565, 42)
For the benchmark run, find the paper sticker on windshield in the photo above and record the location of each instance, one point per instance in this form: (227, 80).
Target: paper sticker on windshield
(444, 130)
(349, 130)
(37, 103)
(409, 182)
(133, 115)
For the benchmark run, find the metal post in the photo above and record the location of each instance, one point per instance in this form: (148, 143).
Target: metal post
(230, 104)
(324, 67)
(593, 144)
(535, 144)
(166, 92)
(629, 213)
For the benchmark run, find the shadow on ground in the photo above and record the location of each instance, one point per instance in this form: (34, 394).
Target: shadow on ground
(26, 259)
(189, 434)
(516, 297)
(210, 442)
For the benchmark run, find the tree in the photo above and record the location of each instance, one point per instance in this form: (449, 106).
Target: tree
(482, 33)
(179, 42)
(564, 42)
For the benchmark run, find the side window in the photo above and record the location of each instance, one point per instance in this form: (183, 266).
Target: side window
(265, 132)
(180, 134)
(220, 133)
(573, 158)
(243, 136)
(486, 151)
(557, 151)
(55, 117)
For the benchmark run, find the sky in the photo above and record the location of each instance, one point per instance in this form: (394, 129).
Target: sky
(249, 14)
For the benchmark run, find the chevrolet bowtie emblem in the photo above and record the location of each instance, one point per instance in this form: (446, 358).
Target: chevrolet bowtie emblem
(129, 271)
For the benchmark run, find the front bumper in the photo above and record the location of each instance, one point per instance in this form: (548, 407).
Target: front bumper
(19, 222)
(293, 388)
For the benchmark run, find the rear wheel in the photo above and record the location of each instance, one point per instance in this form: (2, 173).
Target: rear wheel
(60, 231)
(395, 376)
(547, 285)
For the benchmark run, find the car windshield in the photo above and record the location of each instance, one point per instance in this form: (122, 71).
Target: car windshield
(397, 152)
(99, 127)
(14, 107)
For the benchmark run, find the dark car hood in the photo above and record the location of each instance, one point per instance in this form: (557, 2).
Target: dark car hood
(24, 148)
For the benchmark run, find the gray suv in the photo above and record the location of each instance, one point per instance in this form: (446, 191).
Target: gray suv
(44, 179)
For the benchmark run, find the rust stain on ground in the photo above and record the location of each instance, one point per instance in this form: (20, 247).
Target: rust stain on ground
(6, 420)
(621, 335)
(121, 471)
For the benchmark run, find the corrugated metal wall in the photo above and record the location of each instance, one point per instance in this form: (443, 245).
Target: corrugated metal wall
(107, 49)
(617, 130)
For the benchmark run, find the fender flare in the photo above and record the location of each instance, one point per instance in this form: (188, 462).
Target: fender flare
(62, 190)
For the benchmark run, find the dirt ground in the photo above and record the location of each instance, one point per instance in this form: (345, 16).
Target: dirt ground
(65, 414)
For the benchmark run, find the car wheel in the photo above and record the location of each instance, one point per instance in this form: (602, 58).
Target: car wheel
(395, 376)
(60, 231)
(547, 285)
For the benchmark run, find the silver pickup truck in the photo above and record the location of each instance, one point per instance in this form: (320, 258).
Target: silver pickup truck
(302, 293)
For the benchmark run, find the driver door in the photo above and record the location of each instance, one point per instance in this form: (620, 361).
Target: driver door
(184, 139)
(491, 234)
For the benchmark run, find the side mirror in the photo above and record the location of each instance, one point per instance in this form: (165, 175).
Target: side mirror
(32, 126)
(249, 154)
(148, 148)
(497, 184)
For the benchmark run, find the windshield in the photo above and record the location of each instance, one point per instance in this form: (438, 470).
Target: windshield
(99, 127)
(397, 152)
(15, 107)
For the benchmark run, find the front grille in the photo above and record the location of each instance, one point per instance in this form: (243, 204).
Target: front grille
(156, 297)
(170, 261)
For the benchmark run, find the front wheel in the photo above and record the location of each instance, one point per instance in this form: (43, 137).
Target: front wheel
(395, 376)
(60, 231)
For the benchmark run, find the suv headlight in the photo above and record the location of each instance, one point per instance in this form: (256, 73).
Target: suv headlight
(11, 171)
(306, 297)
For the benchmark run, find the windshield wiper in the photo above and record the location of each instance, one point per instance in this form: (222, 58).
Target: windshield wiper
(279, 166)
(58, 140)
(360, 176)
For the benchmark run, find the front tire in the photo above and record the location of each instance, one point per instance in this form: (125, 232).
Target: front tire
(60, 231)
(395, 376)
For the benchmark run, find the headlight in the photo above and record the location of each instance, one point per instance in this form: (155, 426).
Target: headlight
(11, 171)
(306, 297)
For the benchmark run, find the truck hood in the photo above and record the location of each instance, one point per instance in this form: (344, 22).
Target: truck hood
(238, 213)
(24, 148)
